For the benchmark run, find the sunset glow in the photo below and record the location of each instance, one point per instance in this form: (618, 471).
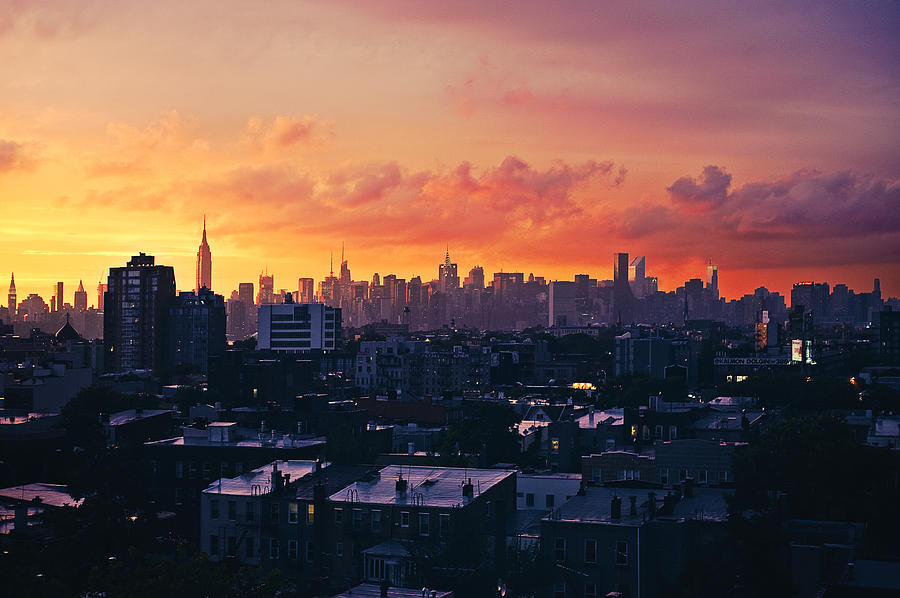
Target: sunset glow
(529, 136)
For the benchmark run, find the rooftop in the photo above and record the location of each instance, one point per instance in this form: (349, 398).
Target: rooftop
(371, 590)
(264, 442)
(607, 417)
(51, 495)
(595, 504)
(427, 486)
(259, 481)
(131, 415)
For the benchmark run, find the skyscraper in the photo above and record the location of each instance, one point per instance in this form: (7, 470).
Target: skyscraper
(80, 298)
(449, 280)
(59, 296)
(136, 302)
(266, 289)
(101, 295)
(11, 297)
(204, 263)
(195, 331)
(623, 298)
(712, 280)
(345, 280)
(637, 276)
(305, 290)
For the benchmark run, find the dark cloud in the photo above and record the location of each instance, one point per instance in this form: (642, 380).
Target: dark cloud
(708, 192)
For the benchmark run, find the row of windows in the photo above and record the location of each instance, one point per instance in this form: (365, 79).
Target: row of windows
(702, 476)
(293, 511)
(274, 548)
(549, 499)
(590, 590)
(194, 469)
(620, 551)
(375, 521)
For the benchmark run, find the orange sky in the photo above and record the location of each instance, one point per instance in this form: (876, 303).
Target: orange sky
(538, 140)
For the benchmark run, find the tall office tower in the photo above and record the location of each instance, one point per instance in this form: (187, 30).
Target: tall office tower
(137, 302)
(623, 298)
(562, 310)
(876, 291)
(59, 296)
(447, 275)
(195, 331)
(376, 280)
(345, 280)
(306, 289)
(11, 297)
(245, 296)
(80, 298)
(712, 280)
(101, 295)
(266, 289)
(475, 279)
(637, 276)
(204, 263)
(293, 327)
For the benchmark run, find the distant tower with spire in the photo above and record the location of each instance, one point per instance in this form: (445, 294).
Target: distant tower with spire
(80, 298)
(11, 297)
(447, 275)
(204, 263)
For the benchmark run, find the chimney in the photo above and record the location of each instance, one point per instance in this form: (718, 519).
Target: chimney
(410, 448)
(276, 477)
(651, 504)
(318, 466)
(401, 484)
(633, 501)
(616, 508)
(468, 489)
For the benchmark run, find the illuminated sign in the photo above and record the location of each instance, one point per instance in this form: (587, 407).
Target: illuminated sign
(768, 361)
(797, 350)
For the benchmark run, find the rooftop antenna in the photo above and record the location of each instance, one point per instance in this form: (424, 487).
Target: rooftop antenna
(331, 266)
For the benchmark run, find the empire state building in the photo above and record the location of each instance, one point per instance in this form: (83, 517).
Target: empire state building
(204, 263)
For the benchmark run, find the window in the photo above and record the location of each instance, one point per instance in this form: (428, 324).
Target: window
(214, 509)
(664, 477)
(702, 477)
(658, 432)
(357, 519)
(232, 510)
(179, 469)
(559, 590)
(214, 545)
(292, 512)
(590, 552)
(179, 496)
(249, 548)
(251, 511)
(273, 548)
(673, 432)
(597, 474)
(375, 569)
(339, 549)
(488, 509)
(559, 549)
(310, 514)
(207, 471)
(682, 475)
(444, 524)
(621, 553)
(376, 520)
(550, 500)
(723, 476)
(590, 590)
(339, 515)
(292, 550)
(231, 545)
(555, 444)
(274, 512)
(424, 524)
(310, 552)
(404, 518)
(646, 432)
(529, 499)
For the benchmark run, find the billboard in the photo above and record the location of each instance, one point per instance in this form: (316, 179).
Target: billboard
(752, 361)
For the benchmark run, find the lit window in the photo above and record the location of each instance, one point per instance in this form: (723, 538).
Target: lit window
(310, 514)
(555, 444)
(292, 512)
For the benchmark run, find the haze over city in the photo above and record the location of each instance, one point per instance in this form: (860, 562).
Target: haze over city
(540, 139)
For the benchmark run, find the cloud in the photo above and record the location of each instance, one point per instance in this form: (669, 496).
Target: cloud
(284, 132)
(16, 156)
(170, 132)
(708, 192)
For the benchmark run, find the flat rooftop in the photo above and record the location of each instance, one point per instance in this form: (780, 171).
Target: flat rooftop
(259, 481)
(277, 442)
(607, 417)
(371, 590)
(131, 415)
(51, 495)
(427, 486)
(595, 504)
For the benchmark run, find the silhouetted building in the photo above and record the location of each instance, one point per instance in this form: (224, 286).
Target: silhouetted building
(298, 327)
(266, 289)
(562, 304)
(136, 308)
(80, 298)
(11, 298)
(195, 330)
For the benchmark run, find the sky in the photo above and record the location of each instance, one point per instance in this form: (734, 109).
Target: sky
(525, 136)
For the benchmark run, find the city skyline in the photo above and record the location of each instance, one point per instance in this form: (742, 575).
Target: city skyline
(542, 140)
